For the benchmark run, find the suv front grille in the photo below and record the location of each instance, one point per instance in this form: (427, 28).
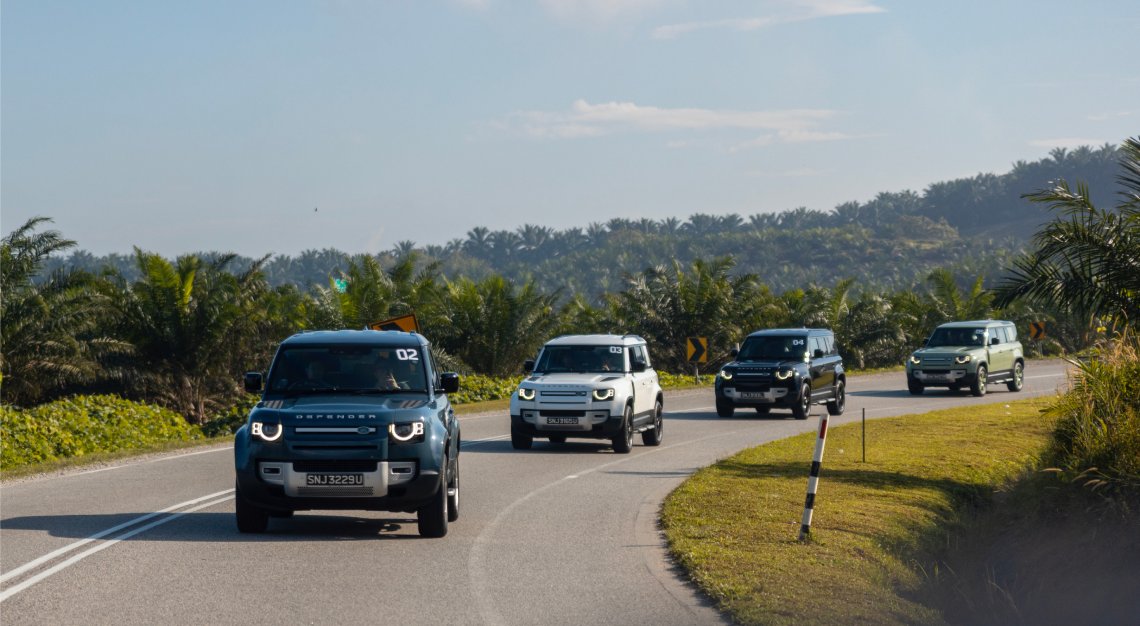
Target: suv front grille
(558, 413)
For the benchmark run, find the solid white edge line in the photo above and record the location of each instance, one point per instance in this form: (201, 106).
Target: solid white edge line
(72, 546)
(103, 546)
(167, 458)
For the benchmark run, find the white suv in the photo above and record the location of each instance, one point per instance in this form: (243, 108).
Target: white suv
(590, 386)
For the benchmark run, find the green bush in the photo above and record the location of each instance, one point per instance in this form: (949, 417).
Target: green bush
(83, 425)
(1097, 439)
(228, 422)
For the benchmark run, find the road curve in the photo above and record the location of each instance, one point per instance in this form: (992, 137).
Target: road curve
(560, 534)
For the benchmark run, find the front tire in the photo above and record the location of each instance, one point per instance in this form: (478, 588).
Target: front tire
(914, 388)
(1018, 377)
(803, 407)
(623, 441)
(836, 406)
(724, 408)
(519, 439)
(979, 386)
(652, 437)
(432, 517)
(250, 517)
(557, 438)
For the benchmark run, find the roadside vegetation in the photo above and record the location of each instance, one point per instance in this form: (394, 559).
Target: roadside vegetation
(1019, 513)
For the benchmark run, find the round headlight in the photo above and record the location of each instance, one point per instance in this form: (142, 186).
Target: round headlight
(526, 394)
(784, 374)
(267, 431)
(603, 394)
(406, 431)
(915, 360)
(726, 374)
(963, 358)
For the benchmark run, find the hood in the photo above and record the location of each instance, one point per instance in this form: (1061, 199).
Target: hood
(948, 350)
(347, 410)
(570, 378)
(762, 364)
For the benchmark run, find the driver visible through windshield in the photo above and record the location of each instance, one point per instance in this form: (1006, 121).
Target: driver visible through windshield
(579, 359)
(319, 369)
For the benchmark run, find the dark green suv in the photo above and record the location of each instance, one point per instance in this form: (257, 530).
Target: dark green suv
(790, 368)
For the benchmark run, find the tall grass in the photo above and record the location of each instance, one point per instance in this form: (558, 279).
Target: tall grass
(1097, 437)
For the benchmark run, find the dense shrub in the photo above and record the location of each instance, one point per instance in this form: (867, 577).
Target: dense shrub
(1097, 439)
(82, 425)
(228, 422)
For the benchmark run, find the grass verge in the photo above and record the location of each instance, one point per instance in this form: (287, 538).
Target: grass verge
(733, 526)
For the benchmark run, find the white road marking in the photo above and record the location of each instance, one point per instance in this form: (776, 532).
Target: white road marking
(73, 546)
(180, 456)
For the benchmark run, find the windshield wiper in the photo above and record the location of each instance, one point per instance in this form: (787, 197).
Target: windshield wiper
(376, 390)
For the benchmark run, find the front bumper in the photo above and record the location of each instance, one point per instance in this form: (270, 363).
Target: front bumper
(758, 395)
(392, 478)
(590, 424)
(941, 377)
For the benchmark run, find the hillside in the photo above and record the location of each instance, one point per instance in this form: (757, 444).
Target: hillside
(892, 241)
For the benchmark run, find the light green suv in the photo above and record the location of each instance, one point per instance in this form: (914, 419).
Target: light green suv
(968, 354)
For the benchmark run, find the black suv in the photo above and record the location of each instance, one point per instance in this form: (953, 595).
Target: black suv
(783, 367)
(350, 419)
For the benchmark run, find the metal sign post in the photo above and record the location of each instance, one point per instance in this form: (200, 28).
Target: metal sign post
(813, 479)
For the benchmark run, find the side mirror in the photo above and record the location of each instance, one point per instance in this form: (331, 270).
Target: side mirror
(528, 366)
(252, 381)
(994, 341)
(449, 382)
(734, 352)
(818, 354)
(638, 366)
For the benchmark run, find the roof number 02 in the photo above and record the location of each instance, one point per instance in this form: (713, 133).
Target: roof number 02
(407, 355)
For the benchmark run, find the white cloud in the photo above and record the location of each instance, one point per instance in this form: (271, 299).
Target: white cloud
(1067, 142)
(597, 10)
(585, 119)
(791, 11)
(474, 4)
(792, 173)
(1104, 117)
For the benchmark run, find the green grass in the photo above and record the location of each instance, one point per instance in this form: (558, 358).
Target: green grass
(877, 525)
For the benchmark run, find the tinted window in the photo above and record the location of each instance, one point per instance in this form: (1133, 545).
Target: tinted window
(556, 359)
(1010, 333)
(640, 353)
(781, 347)
(817, 343)
(957, 337)
(310, 368)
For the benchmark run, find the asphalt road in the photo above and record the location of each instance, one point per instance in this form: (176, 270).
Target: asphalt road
(560, 534)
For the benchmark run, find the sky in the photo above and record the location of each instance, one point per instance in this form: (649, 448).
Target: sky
(278, 126)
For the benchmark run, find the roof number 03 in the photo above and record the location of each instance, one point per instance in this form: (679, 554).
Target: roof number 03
(407, 355)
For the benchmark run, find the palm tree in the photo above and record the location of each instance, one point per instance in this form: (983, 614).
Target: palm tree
(952, 303)
(185, 320)
(51, 328)
(1087, 260)
(493, 325)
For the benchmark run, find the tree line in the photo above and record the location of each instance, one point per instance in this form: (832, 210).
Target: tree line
(180, 332)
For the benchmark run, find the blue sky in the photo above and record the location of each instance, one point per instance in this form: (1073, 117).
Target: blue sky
(219, 125)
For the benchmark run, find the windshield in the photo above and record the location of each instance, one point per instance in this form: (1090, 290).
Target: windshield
(957, 337)
(774, 348)
(350, 369)
(597, 359)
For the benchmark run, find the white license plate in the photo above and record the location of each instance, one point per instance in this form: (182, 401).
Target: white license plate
(938, 377)
(753, 395)
(333, 480)
(562, 421)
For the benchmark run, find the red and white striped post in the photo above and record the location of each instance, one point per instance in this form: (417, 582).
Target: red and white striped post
(813, 479)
